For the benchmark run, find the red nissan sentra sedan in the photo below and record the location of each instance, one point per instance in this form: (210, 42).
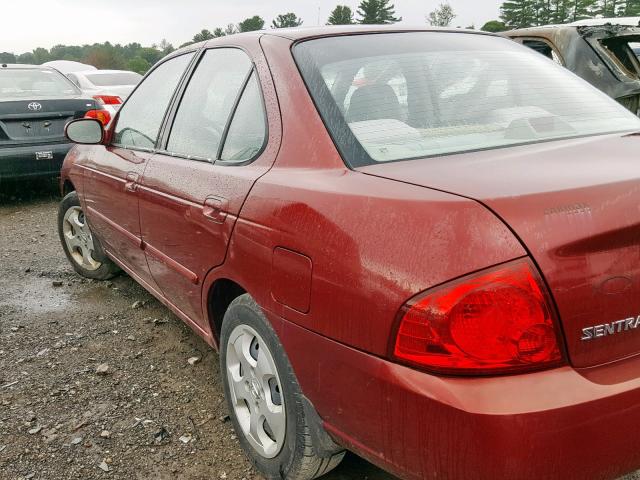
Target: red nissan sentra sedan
(422, 246)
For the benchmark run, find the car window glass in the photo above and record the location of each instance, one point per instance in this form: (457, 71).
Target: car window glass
(247, 131)
(141, 117)
(17, 83)
(621, 50)
(74, 79)
(543, 47)
(463, 93)
(207, 103)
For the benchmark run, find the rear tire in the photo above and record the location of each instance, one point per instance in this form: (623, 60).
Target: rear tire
(277, 426)
(82, 248)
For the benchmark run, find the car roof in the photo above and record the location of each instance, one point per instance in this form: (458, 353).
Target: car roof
(591, 22)
(100, 72)
(594, 22)
(300, 33)
(304, 33)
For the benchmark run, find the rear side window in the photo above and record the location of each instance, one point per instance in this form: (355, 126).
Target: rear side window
(247, 132)
(141, 117)
(112, 79)
(620, 49)
(208, 102)
(17, 83)
(400, 96)
(74, 79)
(543, 47)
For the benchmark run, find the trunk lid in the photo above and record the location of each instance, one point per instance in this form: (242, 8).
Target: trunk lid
(39, 120)
(575, 206)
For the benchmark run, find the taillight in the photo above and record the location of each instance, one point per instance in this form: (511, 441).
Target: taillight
(102, 115)
(108, 99)
(496, 321)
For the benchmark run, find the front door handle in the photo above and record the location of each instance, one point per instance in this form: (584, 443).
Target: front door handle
(131, 183)
(215, 208)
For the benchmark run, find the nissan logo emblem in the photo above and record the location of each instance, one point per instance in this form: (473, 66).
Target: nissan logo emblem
(34, 106)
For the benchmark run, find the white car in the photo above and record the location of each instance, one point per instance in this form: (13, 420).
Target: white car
(109, 87)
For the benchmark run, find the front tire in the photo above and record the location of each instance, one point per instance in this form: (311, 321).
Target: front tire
(276, 425)
(82, 248)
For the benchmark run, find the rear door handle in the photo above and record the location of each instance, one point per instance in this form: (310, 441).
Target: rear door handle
(215, 208)
(131, 183)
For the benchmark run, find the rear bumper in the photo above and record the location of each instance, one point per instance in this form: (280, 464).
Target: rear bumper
(21, 162)
(560, 423)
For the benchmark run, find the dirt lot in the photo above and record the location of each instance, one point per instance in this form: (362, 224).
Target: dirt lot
(95, 380)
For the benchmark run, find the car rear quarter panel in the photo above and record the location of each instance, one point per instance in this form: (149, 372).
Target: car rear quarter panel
(371, 243)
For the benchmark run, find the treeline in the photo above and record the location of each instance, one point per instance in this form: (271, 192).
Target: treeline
(514, 14)
(368, 12)
(529, 13)
(137, 58)
(132, 56)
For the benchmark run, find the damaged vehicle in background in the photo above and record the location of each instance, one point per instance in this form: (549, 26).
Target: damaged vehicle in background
(35, 104)
(601, 51)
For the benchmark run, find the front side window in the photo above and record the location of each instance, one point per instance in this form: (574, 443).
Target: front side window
(397, 96)
(141, 117)
(208, 102)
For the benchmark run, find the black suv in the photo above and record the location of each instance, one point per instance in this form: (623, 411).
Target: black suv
(35, 105)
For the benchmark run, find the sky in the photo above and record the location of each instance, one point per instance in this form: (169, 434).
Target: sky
(45, 23)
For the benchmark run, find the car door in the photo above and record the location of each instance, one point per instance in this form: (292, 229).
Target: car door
(192, 192)
(112, 172)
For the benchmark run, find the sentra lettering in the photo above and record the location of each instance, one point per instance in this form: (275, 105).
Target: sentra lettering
(606, 329)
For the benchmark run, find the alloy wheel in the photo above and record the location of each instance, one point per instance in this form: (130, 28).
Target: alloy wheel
(78, 238)
(256, 391)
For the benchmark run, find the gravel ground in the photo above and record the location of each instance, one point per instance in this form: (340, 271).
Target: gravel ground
(95, 378)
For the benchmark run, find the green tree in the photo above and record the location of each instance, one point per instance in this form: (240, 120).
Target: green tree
(106, 56)
(631, 8)
(251, 24)
(202, 36)
(610, 8)
(376, 12)
(286, 20)
(218, 32)
(165, 47)
(518, 13)
(26, 57)
(494, 26)
(341, 15)
(6, 57)
(151, 55)
(441, 16)
(139, 65)
(581, 9)
(41, 55)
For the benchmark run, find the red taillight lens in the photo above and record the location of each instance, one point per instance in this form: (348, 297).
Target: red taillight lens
(108, 99)
(497, 321)
(102, 115)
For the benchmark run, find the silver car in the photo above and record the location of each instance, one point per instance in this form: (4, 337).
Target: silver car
(109, 87)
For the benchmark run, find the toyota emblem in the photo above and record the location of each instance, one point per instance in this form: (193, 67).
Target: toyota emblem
(35, 106)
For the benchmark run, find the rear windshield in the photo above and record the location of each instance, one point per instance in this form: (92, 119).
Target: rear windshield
(23, 83)
(387, 97)
(109, 79)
